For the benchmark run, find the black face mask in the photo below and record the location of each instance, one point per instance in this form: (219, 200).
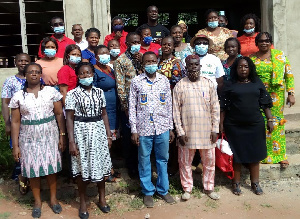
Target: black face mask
(222, 25)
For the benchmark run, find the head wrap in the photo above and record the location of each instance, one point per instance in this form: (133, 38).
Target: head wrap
(189, 57)
(181, 22)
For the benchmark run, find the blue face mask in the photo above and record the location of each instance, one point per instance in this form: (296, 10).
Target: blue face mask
(135, 48)
(86, 81)
(50, 52)
(147, 40)
(118, 28)
(151, 69)
(74, 59)
(104, 59)
(114, 52)
(60, 29)
(213, 24)
(201, 49)
(249, 31)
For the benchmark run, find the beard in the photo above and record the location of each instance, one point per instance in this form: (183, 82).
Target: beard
(194, 76)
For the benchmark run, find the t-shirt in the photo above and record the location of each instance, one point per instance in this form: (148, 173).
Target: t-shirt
(211, 67)
(158, 31)
(61, 46)
(66, 75)
(87, 54)
(83, 44)
(50, 70)
(154, 47)
(122, 40)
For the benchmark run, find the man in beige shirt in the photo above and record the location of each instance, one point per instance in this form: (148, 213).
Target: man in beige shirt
(196, 113)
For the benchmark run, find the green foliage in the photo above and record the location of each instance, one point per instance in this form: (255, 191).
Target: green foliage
(4, 215)
(188, 18)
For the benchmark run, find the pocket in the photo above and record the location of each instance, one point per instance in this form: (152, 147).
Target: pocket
(143, 99)
(162, 98)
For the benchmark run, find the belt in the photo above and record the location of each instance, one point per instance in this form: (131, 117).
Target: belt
(87, 119)
(37, 122)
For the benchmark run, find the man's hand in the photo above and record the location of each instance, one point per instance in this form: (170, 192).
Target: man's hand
(213, 137)
(138, 56)
(172, 136)
(290, 100)
(118, 35)
(16, 153)
(135, 139)
(183, 139)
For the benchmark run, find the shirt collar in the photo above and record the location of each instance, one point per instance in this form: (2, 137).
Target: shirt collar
(63, 39)
(158, 77)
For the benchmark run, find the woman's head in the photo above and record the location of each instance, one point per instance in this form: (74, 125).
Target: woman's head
(33, 72)
(250, 23)
(117, 24)
(167, 45)
(232, 46)
(177, 33)
(146, 36)
(183, 25)
(102, 54)
(49, 47)
(223, 21)
(92, 36)
(85, 73)
(114, 47)
(72, 54)
(243, 68)
(212, 18)
(22, 59)
(264, 41)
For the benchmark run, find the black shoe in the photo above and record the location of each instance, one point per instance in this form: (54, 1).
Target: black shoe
(167, 198)
(83, 215)
(36, 212)
(148, 201)
(104, 209)
(56, 208)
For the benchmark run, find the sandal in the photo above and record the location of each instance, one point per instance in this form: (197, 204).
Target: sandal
(111, 178)
(23, 187)
(284, 164)
(104, 209)
(255, 187)
(236, 188)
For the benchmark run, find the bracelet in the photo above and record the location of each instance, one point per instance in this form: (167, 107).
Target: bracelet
(270, 120)
(62, 134)
(109, 137)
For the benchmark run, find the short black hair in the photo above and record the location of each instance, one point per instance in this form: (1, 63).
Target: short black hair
(92, 30)
(69, 49)
(168, 37)
(233, 39)
(210, 11)
(99, 47)
(21, 54)
(116, 18)
(141, 28)
(224, 17)
(252, 69)
(131, 34)
(148, 53)
(268, 35)
(45, 41)
(251, 16)
(30, 64)
(55, 17)
(175, 26)
(80, 64)
(148, 9)
(109, 42)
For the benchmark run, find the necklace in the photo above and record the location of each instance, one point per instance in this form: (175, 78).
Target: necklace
(245, 81)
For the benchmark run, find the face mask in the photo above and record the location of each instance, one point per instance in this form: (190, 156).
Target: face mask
(118, 28)
(86, 81)
(74, 59)
(50, 52)
(135, 48)
(114, 52)
(159, 52)
(194, 75)
(151, 69)
(147, 40)
(213, 24)
(60, 29)
(249, 31)
(104, 59)
(222, 25)
(201, 49)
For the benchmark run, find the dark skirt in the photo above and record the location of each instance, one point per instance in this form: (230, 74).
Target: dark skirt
(247, 141)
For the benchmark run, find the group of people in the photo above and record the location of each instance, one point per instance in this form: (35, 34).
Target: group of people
(157, 89)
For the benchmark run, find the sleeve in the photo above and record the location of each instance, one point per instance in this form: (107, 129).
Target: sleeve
(288, 76)
(15, 100)
(95, 80)
(177, 104)
(178, 72)
(214, 108)
(169, 102)
(63, 76)
(120, 82)
(103, 99)
(265, 100)
(70, 101)
(132, 107)
(57, 96)
(6, 89)
(85, 55)
(225, 96)
(219, 68)
(106, 40)
(40, 51)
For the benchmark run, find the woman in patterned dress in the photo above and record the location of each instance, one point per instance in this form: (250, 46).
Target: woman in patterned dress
(217, 34)
(38, 134)
(89, 136)
(274, 69)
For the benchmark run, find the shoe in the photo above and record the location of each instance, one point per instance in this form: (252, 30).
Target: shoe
(110, 179)
(104, 209)
(148, 201)
(36, 212)
(167, 198)
(255, 187)
(212, 195)
(84, 215)
(186, 196)
(56, 208)
(236, 189)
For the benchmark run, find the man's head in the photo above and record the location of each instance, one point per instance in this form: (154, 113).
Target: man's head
(77, 31)
(149, 62)
(201, 44)
(193, 67)
(133, 42)
(152, 13)
(57, 25)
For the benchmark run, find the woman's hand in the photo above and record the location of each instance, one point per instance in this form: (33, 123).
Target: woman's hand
(183, 139)
(73, 149)
(270, 126)
(221, 128)
(171, 136)
(290, 100)
(62, 143)
(213, 137)
(16, 153)
(109, 142)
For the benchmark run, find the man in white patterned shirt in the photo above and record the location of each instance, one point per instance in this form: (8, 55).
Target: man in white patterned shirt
(150, 117)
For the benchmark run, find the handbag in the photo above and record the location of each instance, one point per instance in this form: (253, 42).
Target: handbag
(224, 157)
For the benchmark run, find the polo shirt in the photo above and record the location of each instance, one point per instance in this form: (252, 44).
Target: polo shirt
(66, 75)
(122, 40)
(154, 47)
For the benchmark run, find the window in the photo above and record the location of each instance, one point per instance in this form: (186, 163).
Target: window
(130, 19)
(188, 18)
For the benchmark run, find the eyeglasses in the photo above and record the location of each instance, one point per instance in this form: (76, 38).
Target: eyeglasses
(264, 41)
(34, 72)
(58, 24)
(85, 73)
(199, 43)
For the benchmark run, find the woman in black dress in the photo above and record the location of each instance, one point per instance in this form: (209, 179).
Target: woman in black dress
(243, 98)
